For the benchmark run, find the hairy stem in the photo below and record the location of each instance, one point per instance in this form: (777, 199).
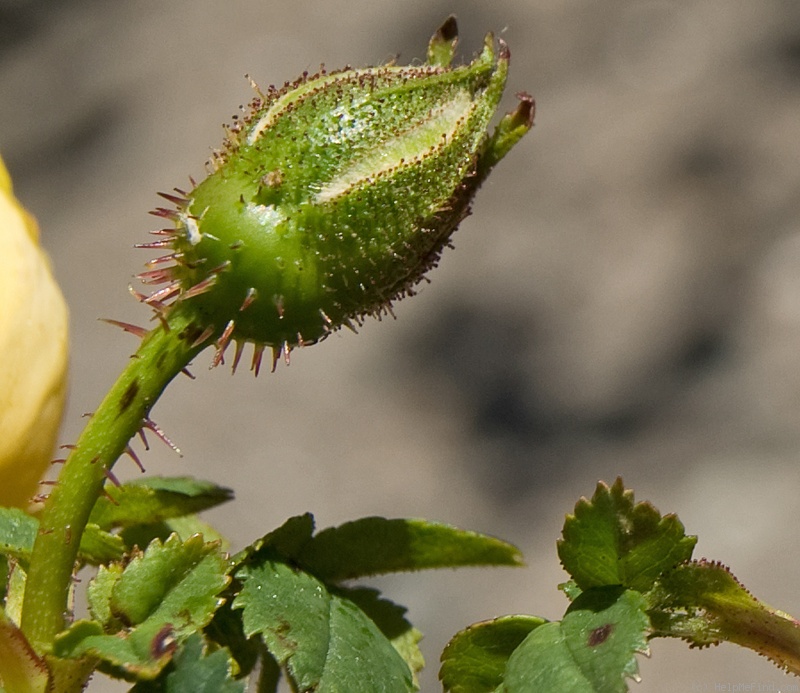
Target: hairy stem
(163, 353)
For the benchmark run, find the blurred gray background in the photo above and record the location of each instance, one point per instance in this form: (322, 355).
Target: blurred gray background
(625, 299)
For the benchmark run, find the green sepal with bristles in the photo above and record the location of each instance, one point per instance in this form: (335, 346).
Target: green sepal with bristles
(442, 46)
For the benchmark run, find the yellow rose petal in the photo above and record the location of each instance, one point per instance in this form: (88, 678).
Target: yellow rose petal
(33, 352)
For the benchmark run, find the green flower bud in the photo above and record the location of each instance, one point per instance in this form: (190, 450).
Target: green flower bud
(333, 196)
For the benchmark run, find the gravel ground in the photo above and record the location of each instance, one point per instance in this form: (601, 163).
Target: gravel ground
(625, 299)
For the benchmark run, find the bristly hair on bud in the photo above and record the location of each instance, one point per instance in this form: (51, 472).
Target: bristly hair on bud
(332, 197)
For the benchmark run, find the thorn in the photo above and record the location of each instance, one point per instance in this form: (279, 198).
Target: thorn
(40, 498)
(204, 335)
(286, 351)
(156, 276)
(153, 245)
(165, 232)
(149, 423)
(219, 268)
(129, 451)
(200, 288)
(276, 354)
(255, 87)
(222, 344)
(144, 438)
(127, 327)
(188, 373)
(258, 353)
(237, 355)
(163, 320)
(109, 497)
(60, 460)
(68, 446)
(300, 340)
(137, 294)
(49, 483)
(193, 182)
(110, 476)
(178, 201)
(164, 213)
(252, 295)
(327, 320)
(349, 325)
(157, 298)
(161, 259)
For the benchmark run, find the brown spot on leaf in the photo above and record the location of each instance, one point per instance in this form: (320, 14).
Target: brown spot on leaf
(599, 635)
(163, 642)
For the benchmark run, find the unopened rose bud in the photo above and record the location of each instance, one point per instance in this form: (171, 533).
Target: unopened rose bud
(333, 197)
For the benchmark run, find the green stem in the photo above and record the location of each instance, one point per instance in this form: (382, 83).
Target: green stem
(163, 353)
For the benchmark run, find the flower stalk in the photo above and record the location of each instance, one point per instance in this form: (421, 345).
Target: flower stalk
(163, 353)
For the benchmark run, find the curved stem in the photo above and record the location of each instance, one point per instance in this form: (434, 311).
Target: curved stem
(163, 353)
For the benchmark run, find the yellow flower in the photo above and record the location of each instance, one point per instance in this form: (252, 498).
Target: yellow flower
(33, 352)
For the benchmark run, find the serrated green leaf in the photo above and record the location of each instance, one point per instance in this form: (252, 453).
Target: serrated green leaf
(570, 589)
(161, 597)
(17, 533)
(124, 656)
(592, 650)
(15, 591)
(98, 595)
(152, 500)
(175, 581)
(287, 540)
(475, 660)
(375, 545)
(390, 619)
(612, 541)
(292, 536)
(704, 603)
(194, 671)
(226, 630)
(325, 642)
(185, 527)
(99, 547)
